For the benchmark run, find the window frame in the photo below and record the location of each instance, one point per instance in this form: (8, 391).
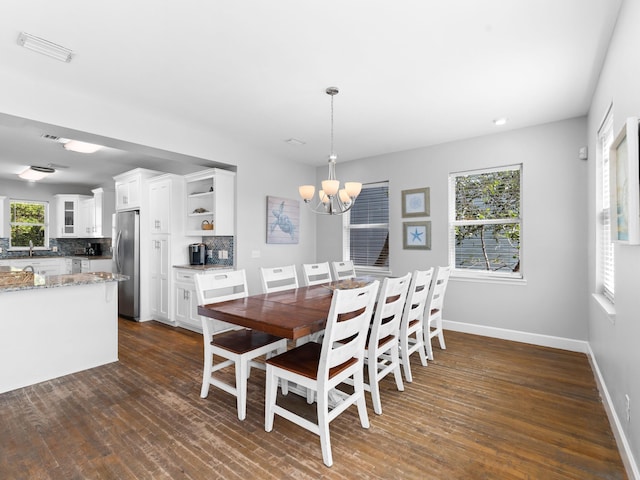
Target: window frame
(45, 225)
(605, 249)
(346, 234)
(483, 275)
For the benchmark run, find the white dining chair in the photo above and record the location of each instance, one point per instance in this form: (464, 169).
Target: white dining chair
(433, 309)
(343, 270)
(412, 323)
(238, 346)
(322, 367)
(383, 344)
(316, 273)
(276, 279)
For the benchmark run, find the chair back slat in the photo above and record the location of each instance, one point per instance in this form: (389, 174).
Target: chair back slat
(219, 287)
(316, 273)
(417, 296)
(276, 279)
(343, 270)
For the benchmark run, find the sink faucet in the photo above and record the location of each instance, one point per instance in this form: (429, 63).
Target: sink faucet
(31, 248)
(28, 268)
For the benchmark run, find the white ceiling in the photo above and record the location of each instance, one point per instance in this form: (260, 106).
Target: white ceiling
(411, 73)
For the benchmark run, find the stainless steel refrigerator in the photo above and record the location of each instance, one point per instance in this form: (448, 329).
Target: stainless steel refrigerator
(126, 259)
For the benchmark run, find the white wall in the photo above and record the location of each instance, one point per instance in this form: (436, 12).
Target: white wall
(553, 301)
(614, 341)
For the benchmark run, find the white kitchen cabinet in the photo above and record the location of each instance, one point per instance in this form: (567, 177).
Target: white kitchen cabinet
(160, 196)
(104, 207)
(129, 188)
(87, 226)
(210, 199)
(168, 245)
(67, 216)
(186, 299)
(160, 276)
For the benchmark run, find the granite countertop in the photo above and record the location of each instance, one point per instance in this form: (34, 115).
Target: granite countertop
(205, 267)
(67, 280)
(38, 257)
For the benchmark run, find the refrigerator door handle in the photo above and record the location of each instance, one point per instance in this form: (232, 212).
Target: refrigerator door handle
(117, 253)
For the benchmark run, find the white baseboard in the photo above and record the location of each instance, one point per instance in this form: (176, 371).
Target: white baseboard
(564, 344)
(621, 439)
(518, 336)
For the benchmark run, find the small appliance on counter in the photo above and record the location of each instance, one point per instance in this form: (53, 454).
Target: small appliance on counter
(197, 253)
(94, 249)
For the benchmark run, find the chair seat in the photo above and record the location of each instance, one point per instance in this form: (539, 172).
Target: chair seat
(243, 341)
(304, 360)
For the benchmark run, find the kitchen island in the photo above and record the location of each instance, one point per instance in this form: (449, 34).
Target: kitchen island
(54, 325)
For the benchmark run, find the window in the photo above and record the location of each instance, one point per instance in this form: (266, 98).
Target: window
(366, 239)
(485, 223)
(29, 220)
(605, 245)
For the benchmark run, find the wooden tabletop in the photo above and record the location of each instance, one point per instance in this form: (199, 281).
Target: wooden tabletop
(290, 314)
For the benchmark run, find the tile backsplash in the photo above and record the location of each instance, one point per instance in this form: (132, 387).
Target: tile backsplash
(64, 246)
(217, 244)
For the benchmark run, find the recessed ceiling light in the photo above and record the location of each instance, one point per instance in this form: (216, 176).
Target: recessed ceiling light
(294, 141)
(500, 121)
(81, 147)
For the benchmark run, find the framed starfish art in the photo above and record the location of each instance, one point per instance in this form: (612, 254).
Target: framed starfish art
(416, 235)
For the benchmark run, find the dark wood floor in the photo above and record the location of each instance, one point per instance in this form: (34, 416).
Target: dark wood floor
(484, 409)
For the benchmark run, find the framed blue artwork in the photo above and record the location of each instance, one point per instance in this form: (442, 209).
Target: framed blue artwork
(415, 203)
(283, 220)
(416, 235)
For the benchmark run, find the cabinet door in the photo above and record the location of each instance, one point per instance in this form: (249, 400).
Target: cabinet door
(159, 206)
(128, 193)
(183, 305)
(67, 213)
(159, 276)
(122, 195)
(86, 225)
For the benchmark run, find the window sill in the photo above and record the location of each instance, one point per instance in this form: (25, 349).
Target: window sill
(606, 305)
(487, 278)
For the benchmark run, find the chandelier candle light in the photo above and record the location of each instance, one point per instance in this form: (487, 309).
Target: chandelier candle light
(332, 200)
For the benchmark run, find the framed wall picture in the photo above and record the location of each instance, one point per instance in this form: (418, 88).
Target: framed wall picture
(283, 220)
(415, 203)
(416, 235)
(624, 186)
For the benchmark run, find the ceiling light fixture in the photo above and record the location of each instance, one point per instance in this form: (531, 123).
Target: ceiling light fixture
(331, 199)
(500, 121)
(81, 147)
(34, 173)
(45, 47)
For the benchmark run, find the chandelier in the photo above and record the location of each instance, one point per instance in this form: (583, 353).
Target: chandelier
(332, 200)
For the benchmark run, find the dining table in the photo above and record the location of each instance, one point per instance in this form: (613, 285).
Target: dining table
(292, 314)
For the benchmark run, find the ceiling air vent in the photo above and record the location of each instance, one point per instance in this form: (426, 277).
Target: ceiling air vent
(46, 136)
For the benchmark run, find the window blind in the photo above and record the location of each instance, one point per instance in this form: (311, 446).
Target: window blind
(367, 225)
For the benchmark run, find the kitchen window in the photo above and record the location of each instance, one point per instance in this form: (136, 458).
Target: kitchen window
(485, 223)
(366, 229)
(29, 222)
